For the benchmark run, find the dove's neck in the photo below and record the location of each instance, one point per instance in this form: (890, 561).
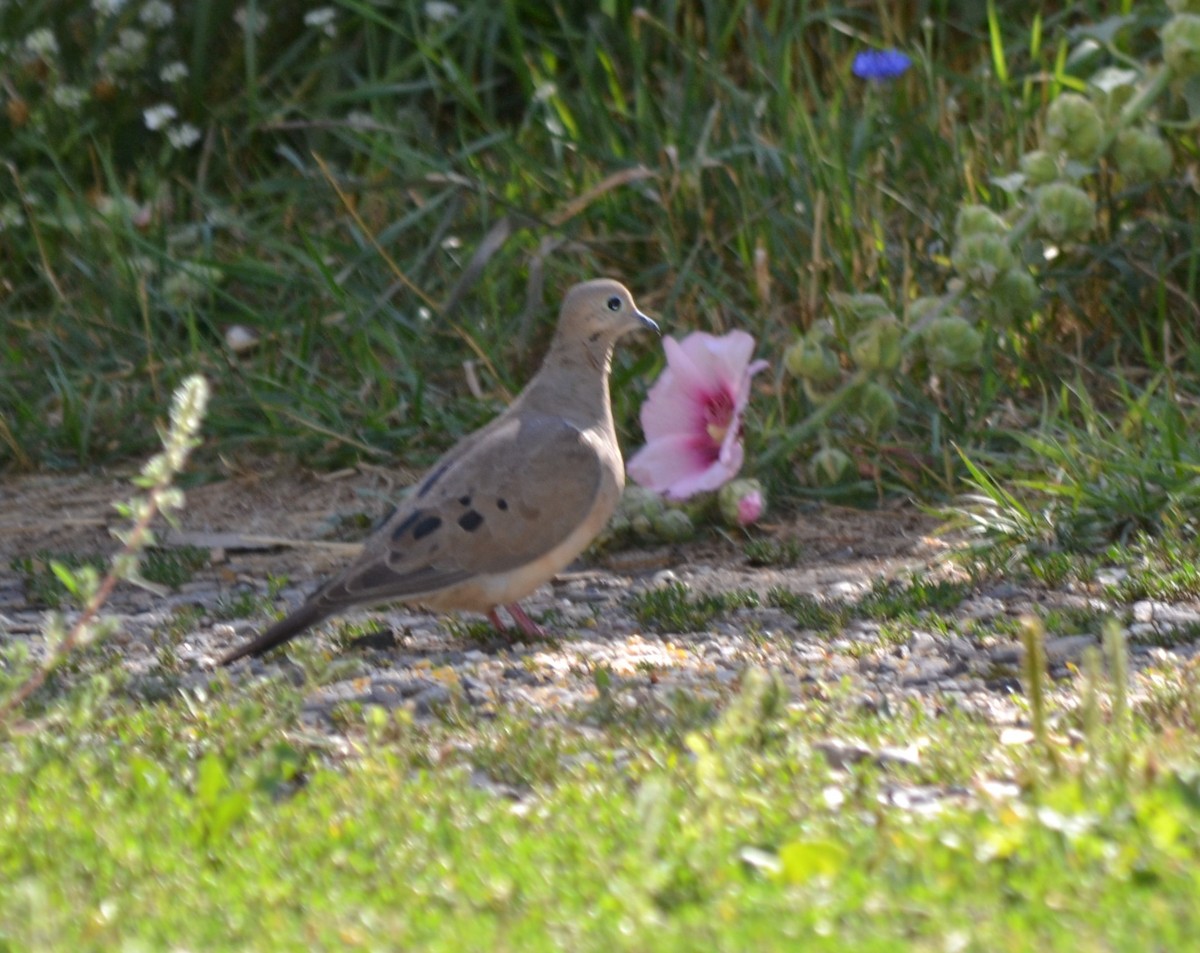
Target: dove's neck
(573, 383)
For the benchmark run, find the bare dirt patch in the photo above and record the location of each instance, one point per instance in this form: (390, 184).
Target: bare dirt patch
(302, 525)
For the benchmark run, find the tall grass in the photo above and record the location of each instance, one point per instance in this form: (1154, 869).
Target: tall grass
(379, 205)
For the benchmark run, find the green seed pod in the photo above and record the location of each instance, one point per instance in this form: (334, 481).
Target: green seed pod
(857, 310)
(1064, 212)
(981, 258)
(1039, 167)
(1142, 156)
(877, 408)
(1181, 44)
(830, 467)
(1074, 126)
(674, 525)
(877, 346)
(810, 360)
(952, 343)
(977, 219)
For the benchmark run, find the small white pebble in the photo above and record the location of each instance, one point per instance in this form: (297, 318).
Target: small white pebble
(240, 339)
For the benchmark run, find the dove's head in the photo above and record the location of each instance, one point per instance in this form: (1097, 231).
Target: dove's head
(599, 312)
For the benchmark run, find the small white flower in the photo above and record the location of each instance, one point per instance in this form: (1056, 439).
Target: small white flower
(157, 117)
(132, 42)
(117, 207)
(183, 136)
(173, 72)
(156, 14)
(41, 43)
(322, 19)
(108, 8)
(10, 216)
(69, 97)
(239, 338)
(127, 54)
(251, 19)
(439, 11)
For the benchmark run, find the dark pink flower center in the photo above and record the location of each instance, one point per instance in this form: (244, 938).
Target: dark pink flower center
(718, 415)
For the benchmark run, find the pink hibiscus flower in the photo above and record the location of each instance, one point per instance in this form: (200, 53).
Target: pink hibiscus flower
(692, 416)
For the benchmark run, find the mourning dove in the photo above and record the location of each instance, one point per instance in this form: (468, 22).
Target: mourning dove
(512, 503)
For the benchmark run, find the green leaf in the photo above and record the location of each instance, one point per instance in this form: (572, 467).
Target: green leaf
(804, 860)
(211, 779)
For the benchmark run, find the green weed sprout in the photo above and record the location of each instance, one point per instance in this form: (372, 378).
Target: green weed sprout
(159, 496)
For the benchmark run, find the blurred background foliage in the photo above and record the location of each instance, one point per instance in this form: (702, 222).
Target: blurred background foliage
(357, 218)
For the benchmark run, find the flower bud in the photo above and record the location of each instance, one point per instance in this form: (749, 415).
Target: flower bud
(981, 258)
(1011, 298)
(830, 466)
(617, 526)
(1181, 44)
(1039, 167)
(639, 501)
(641, 526)
(819, 393)
(976, 219)
(923, 310)
(1112, 88)
(1064, 211)
(877, 407)
(877, 346)
(810, 360)
(1074, 126)
(673, 525)
(1142, 156)
(742, 502)
(952, 343)
(857, 310)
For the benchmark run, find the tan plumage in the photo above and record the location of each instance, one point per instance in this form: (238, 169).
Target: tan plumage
(511, 504)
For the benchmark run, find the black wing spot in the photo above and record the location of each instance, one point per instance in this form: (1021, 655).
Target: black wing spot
(470, 521)
(502, 504)
(426, 526)
(432, 479)
(464, 500)
(406, 525)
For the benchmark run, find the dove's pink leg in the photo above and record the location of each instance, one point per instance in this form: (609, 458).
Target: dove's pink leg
(526, 624)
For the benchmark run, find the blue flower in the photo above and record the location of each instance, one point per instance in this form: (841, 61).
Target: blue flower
(879, 66)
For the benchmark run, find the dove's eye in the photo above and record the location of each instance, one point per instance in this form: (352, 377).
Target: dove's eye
(614, 303)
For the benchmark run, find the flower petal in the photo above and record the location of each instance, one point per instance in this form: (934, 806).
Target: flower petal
(716, 475)
(662, 463)
(672, 407)
(720, 359)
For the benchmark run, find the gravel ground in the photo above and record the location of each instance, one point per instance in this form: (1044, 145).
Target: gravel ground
(965, 657)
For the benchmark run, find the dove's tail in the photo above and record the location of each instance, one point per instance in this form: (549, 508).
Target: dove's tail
(282, 631)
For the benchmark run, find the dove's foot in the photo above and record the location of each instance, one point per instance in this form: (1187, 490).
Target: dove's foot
(527, 626)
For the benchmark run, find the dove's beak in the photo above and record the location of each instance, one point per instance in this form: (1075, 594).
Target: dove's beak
(648, 322)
